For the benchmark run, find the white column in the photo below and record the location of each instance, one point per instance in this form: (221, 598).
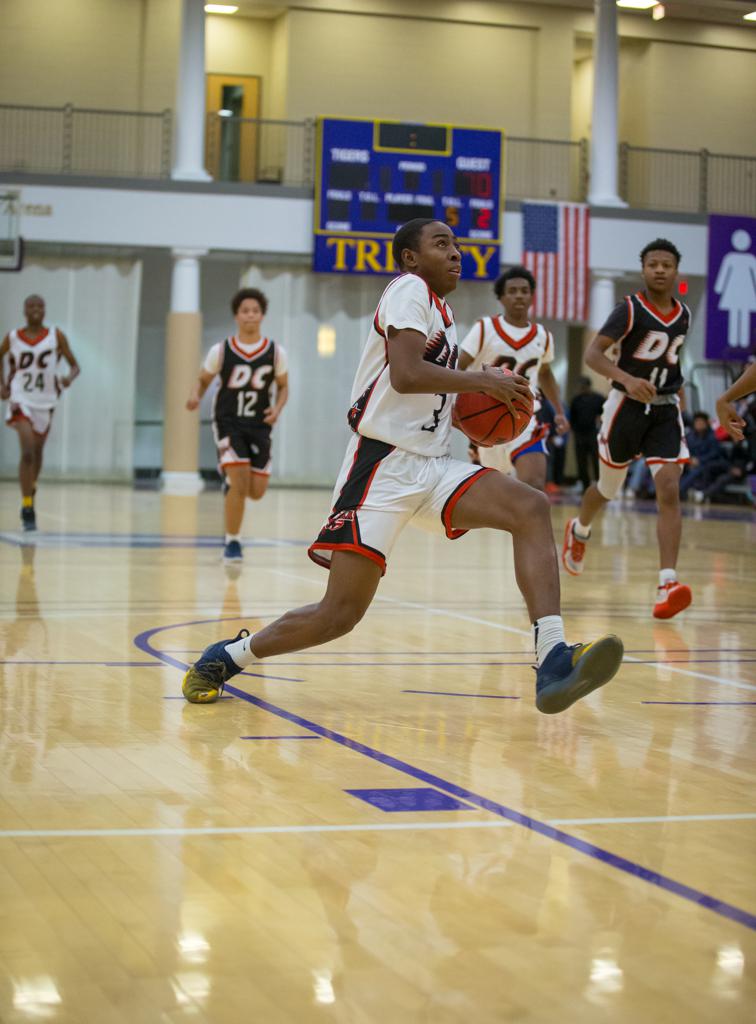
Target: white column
(189, 157)
(603, 187)
(602, 298)
(182, 357)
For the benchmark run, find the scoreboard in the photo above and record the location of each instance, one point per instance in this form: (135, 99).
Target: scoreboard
(372, 176)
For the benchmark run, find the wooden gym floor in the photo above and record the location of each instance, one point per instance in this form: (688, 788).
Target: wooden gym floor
(383, 829)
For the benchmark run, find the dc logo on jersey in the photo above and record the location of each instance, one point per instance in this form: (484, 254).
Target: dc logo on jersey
(241, 375)
(26, 359)
(439, 351)
(338, 519)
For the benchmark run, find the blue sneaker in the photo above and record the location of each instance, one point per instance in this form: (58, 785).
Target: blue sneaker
(232, 552)
(204, 682)
(569, 673)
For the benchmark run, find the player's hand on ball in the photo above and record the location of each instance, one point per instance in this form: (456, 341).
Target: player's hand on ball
(729, 419)
(506, 387)
(641, 390)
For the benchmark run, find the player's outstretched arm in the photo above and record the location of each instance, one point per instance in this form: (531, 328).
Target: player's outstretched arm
(65, 351)
(726, 413)
(203, 383)
(636, 387)
(548, 384)
(411, 374)
(4, 349)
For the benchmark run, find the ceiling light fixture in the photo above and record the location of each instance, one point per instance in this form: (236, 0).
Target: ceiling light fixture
(221, 8)
(750, 17)
(658, 12)
(637, 5)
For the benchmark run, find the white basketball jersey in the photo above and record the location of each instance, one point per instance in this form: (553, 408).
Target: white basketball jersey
(414, 423)
(496, 342)
(33, 363)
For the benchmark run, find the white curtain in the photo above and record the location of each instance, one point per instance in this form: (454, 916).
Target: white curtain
(96, 304)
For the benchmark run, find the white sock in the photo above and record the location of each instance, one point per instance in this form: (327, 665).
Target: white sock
(667, 576)
(548, 631)
(581, 531)
(241, 652)
(231, 536)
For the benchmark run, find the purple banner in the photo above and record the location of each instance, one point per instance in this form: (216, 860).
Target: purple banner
(731, 288)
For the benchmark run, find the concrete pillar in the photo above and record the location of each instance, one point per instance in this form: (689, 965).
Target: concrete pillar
(189, 157)
(602, 302)
(182, 359)
(604, 160)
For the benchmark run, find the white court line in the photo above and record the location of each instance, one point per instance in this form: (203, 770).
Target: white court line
(410, 826)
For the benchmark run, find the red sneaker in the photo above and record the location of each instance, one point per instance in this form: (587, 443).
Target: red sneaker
(671, 598)
(573, 550)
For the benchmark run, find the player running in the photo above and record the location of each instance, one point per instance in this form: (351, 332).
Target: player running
(641, 416)
(397, 470)
(511, 340)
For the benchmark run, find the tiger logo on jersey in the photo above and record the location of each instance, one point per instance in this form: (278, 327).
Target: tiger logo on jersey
(439, 352)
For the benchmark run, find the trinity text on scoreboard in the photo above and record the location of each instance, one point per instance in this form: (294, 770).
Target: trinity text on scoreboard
(372, 176)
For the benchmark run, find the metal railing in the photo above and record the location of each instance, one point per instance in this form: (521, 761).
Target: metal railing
(260, 150)
(691, 181)
(77, 140)
(545, 168)
(130, 144)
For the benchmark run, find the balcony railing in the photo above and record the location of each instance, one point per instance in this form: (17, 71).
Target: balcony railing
(75, 140)
(130, 144)
(687, 180)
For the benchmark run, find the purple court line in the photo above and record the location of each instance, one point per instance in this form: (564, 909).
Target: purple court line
(280, 737)
(713, 703)
(635, 870)
(447, 693)
(400, 654)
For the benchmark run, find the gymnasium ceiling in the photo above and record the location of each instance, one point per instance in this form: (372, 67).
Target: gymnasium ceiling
(717, 12)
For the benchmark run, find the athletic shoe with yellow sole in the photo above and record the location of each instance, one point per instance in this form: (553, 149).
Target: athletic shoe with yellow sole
(569, 673)
(671, 598)
(205, 680)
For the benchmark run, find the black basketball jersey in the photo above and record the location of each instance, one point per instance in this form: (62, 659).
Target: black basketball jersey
(245, 383)
(649, 341)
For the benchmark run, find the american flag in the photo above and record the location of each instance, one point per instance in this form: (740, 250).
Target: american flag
(555, 251)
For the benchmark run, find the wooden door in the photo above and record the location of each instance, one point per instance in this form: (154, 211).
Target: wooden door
(232, 139)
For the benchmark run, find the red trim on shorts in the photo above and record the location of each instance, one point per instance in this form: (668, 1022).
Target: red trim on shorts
(451, 501)
(496, 321)
(657, 462)
(259, 472)
(241, 462)
(358, 549)
(616, 465)
(538, 436)
(17, 417)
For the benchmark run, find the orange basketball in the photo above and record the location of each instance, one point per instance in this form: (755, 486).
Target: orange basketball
(486, 421)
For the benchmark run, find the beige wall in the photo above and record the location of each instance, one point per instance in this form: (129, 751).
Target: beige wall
(683, 84)
(115, 54)
(364, 66)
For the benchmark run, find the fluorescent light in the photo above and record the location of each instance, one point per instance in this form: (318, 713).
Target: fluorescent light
(636, 5)
(225, 112)
(750, 17)
(658, 12)
(221, 8)
(326, 341)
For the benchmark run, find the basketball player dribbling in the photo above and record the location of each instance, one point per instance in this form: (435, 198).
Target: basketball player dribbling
(397, 470)
(33, 389)
(248, 367)
(641, 416)
(511, 340)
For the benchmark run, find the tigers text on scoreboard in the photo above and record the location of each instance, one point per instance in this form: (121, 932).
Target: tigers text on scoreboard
(373, 176)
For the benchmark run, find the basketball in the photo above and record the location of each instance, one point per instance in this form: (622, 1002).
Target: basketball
(486, 421)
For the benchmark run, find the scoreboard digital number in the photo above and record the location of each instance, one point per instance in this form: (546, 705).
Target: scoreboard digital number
(372, 176)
